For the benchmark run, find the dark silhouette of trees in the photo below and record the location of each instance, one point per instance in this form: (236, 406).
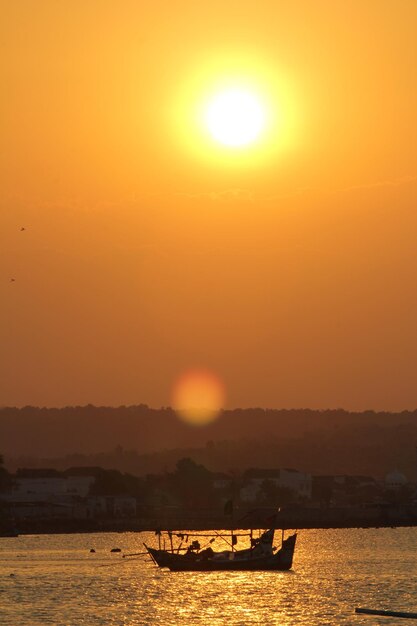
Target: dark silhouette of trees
(5, 478)
(114, 483)
(141, 440)
(192, 483)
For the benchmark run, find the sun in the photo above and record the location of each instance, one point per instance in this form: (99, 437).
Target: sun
(235, 117)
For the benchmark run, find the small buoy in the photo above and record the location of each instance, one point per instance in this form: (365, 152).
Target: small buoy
(115, 550)
(92, 550)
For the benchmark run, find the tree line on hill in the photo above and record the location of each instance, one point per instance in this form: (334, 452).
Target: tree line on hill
(141, 440)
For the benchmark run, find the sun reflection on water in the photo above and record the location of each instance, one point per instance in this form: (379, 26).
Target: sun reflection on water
(56, 580)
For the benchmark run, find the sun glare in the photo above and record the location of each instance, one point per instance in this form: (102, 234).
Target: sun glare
(235, 118)
(234, 110)
(197, 397)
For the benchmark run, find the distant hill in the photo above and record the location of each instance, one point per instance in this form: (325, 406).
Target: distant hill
(140, 439)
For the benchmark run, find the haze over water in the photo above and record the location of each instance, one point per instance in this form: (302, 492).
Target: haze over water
(55, 580)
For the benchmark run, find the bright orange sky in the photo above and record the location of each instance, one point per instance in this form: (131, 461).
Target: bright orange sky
(288, 269)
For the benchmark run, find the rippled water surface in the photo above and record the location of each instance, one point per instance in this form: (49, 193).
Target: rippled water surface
(54, 579)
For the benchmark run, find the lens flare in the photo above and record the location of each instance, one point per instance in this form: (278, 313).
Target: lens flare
(198, 397)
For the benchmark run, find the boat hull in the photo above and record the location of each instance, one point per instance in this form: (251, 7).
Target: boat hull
(281, 561)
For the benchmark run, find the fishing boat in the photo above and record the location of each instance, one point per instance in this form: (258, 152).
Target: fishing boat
(262, 555)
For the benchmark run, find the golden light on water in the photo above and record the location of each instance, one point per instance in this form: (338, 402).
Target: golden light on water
(198, 397)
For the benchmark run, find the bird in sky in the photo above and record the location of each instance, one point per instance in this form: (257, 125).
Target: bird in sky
(12, 280)
(22, 229)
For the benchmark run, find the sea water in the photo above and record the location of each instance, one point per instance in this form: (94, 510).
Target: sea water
(55, 579)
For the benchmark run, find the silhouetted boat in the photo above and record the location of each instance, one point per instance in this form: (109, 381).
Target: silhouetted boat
(262, 555)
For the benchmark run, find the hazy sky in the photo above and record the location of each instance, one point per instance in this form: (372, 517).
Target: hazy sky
(288, 268)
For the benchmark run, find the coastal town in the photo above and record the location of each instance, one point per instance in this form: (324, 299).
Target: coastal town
(78, 499)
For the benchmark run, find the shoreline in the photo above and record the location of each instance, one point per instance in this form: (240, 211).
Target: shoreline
(301, 519)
